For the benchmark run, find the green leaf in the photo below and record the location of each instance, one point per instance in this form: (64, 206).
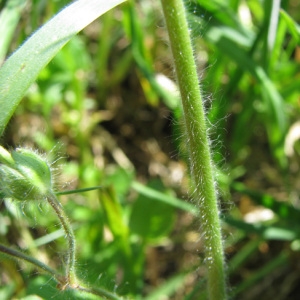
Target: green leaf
(44, 287)
(229, 46)
(282, 209)
(168, 288)
(7, 291)
(9, 18)
(119, 178)
(156, 195)
(151, 219)
(113, 213)
(79, 190)
(22, 68)
(269, 268)
(268, 232)
(293, 27)
(219, 12)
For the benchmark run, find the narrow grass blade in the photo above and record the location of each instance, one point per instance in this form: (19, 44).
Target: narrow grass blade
(294, 28)
(22, 68)
(159, 196)
(282, 209)
(264, 271)
(9, 18)
(168, 288)
(79, 190)
(113, 213)
(267, 232)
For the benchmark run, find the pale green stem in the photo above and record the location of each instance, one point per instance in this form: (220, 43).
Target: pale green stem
(199, 151)
(100, 292)
(64, 221)
(18, 255)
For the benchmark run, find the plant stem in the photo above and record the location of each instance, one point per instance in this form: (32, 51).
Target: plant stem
(198, 144)
(18, 255)
(70, 265)
(79, 190)
(100, 292)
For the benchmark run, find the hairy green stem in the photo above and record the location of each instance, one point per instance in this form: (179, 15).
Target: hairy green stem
(198, 144)
(70, 265)
(18, 255)
(100, 292)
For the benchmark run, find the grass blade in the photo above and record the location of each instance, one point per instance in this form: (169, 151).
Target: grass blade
(159, 196)
(9, 18)
(22, 68)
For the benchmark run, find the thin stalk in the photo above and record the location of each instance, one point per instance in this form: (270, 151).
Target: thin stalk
(18, 255)
(100, 292)
(70, 265)
(79, 190)
(198, 144)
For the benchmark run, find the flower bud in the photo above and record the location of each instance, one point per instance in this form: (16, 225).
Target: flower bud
(24, 175)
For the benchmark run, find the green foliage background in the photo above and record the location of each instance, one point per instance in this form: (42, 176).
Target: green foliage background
(106, 115)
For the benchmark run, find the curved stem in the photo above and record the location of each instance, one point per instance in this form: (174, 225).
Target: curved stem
(18, 255)
(70, 265)
(198, 144)
(99, 292)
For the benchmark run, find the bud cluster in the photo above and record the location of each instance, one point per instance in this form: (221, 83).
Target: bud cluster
(24, 175)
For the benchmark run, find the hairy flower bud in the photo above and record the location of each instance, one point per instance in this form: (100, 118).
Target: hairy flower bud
(24, 175)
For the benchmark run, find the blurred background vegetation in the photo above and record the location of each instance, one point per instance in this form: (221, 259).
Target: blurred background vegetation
(106, 112)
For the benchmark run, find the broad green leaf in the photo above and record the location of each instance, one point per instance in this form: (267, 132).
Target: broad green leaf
(151, 219)
(22, 68)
